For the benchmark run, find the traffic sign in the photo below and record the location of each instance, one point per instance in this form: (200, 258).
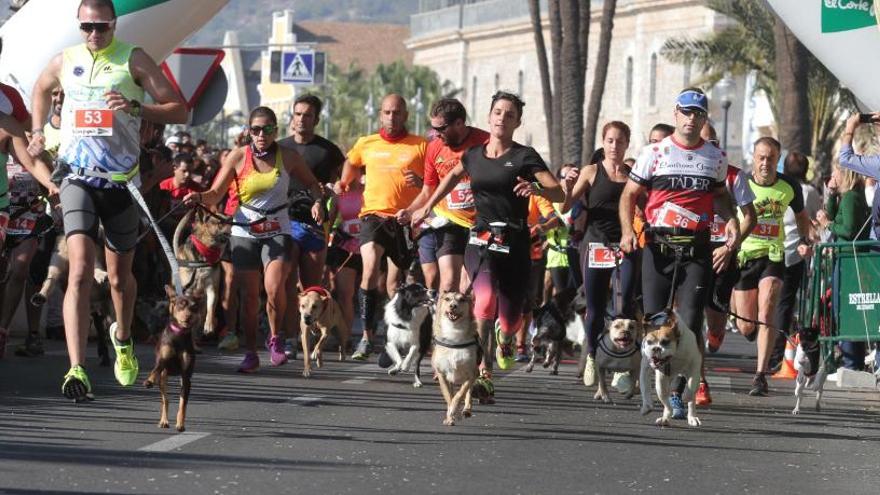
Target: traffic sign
(190, 70)
(298, 67)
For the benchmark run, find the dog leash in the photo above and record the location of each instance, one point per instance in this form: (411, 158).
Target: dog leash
(172, 260)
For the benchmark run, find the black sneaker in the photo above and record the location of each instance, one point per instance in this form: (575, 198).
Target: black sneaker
(759, 386)
(32, 347)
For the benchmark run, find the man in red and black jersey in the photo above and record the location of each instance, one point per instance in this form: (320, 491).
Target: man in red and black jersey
(682, 175)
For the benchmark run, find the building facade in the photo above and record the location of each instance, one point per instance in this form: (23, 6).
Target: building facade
(486, 45)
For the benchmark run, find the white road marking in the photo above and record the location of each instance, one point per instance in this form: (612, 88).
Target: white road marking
(306, 400)
(359, 380)
(175, 442)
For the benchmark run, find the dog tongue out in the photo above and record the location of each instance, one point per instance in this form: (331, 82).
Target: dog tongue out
(452, 316)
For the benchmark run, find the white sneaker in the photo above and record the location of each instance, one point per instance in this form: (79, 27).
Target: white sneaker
(623, 382)
(590, 372)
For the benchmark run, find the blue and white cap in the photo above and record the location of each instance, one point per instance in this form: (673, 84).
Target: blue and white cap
(693, 99)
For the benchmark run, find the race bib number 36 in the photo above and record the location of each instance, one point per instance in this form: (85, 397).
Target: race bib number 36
(93, 122)
(672, 215)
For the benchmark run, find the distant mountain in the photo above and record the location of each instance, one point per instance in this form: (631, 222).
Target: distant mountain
(252, 17)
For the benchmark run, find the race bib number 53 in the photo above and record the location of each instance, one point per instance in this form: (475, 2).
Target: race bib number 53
(98, 122)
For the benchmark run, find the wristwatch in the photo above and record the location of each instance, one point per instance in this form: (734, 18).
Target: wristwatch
(135, 108)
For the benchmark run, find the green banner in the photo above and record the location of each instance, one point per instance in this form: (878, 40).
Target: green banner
(124, 7)
(846, 15)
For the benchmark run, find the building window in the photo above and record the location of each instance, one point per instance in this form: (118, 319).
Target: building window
(652, 94)
(629, 82)
(473, 95)
(688, 65)
(520, 80)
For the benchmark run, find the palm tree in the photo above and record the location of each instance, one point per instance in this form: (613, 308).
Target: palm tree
(544, 71)
(750, 44)
(572, 75)
(600, 75)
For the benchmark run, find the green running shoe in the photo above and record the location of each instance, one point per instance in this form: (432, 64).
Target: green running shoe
(126, 366)
(76, 385)
(504, 353)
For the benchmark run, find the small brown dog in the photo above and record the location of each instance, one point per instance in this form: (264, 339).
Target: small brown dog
(457, 353)
(319, 314)
(175, 353)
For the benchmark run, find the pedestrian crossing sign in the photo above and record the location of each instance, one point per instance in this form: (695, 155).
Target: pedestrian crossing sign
(298, 67)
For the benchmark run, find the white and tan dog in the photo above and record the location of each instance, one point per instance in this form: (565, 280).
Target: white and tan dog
(811, 371)
(457, 352)
(671, 350)
(320, 314)
(618, 350)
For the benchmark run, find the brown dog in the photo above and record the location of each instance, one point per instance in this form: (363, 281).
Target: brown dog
(175, 353)
(199, 259)
(319, 314)
(457, 353)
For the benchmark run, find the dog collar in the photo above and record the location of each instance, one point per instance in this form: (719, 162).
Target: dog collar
(317, 288)
(607, 349)
(399, 326)
(451, 345)
(175, 329)
(211, 255)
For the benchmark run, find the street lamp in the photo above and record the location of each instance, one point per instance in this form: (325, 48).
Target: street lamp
(325, 116)
(724, 91)
(370, 110)
(416, 102)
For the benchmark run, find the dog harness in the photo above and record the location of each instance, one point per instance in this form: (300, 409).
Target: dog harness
(609, 350)
(175, 329)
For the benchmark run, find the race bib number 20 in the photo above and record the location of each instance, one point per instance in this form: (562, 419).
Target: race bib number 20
(98, 122)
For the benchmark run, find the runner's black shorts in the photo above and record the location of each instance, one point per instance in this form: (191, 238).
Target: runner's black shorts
(340, 258)
(387, 233)
(450, 239)
(753, 271)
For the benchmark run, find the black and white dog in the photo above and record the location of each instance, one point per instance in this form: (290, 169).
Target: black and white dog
(810, 367)
(409, 320)
(556, 322)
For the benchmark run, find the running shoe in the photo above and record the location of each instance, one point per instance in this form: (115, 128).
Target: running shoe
(250, 363)
(703, 397)
(228, 343)
(483, 389)
(276, 351)
(623, 382)
(504, 354)
(759, 386)
(126, 366)
(522, 355)
(4, 336)
(76, 385)
(363, 350)
(32, 347)
(714, 341)
(290, 348)
(678, 410)
(590, 372)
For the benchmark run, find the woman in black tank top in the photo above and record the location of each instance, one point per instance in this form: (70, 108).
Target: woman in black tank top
(599, 186)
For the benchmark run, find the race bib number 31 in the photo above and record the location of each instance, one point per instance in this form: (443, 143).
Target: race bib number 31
(93, 123)
(767, 229)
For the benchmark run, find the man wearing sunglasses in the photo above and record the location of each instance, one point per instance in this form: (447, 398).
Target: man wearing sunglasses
(104, 81)
(444, 244)
(682, 175)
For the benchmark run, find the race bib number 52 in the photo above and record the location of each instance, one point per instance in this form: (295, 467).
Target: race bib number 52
(98, 122)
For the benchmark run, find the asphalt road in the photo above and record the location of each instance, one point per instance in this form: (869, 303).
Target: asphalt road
(353, 429)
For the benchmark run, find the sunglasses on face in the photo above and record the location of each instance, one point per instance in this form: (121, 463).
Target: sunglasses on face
(263, 129)
(440, 128)
(98, 27)
(687, 112)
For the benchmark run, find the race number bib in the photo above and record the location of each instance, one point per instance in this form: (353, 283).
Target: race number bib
(93, 122)
(674, 216)
(718, 232)
(22, 225)
(461, 198)
(767, 228)
(482, 239)
(601, 256)
(352, 227)
(264, 229)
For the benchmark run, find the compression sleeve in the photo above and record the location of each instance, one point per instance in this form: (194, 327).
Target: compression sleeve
(642, 171)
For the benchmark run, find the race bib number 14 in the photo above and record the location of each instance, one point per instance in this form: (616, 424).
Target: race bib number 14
(93, 122)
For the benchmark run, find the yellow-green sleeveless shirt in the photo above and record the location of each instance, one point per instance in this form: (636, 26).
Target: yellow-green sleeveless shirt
(93, 137)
